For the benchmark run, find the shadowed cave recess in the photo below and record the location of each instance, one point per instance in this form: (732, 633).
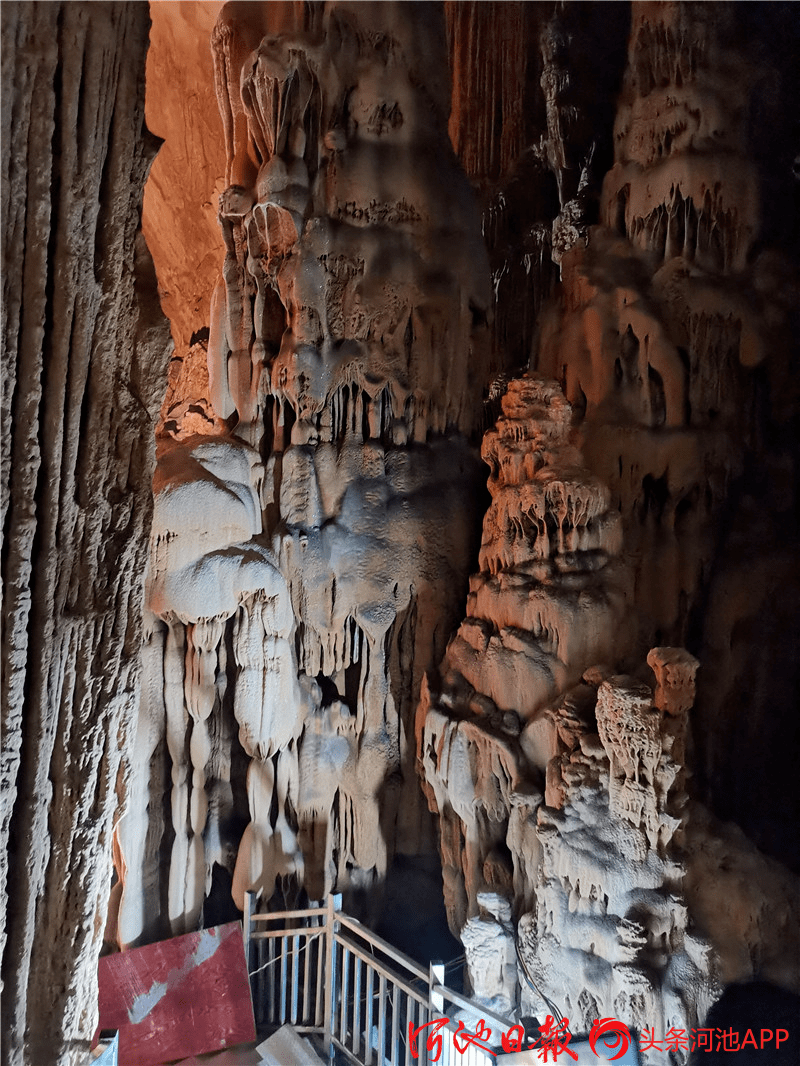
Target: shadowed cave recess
(446, 557)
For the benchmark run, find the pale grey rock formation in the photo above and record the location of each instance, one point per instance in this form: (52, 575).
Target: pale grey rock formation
(316, 505)
(84, 355)
(314, 508)
(490, 954)
(607, 878)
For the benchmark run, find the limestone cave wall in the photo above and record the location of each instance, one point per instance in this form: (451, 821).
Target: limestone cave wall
(463, 518)
(85, 349)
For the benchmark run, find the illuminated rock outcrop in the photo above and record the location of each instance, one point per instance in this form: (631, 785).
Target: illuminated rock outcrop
(556, 761)
(300, 581)
(548, 605)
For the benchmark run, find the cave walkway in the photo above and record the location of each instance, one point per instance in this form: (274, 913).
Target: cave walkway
(334, 980)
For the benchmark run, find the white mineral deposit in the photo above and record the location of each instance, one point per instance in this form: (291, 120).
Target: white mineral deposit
(455, 527)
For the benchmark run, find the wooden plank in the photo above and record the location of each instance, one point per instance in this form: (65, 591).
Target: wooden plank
(281, 916)
(179, 997)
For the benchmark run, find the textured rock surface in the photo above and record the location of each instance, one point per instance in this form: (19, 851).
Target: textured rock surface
(671, 332)
(316, 504)
(179, 216)
(570, 800)
(597, 864)
(611, 932)
(84, 357)
(548, 605)
(300, 581)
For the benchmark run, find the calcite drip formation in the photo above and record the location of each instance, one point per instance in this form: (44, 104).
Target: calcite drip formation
(317, 513)
(300, 582)
(575, 869)
(663, 307)
(559, 784)
(554, 756)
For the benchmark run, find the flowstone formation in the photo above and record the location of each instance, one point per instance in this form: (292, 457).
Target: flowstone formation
(671, 333)
(547, 605)
(555, 759)
(575, 869)
(315, 493)
(647, 330)
(317, 512)
(559, 785)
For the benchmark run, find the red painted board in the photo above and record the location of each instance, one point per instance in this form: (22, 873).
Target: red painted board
(179, 997)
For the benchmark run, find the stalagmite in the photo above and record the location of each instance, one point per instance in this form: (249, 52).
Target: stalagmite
(543, 737)
(294, 558)
(393, 239)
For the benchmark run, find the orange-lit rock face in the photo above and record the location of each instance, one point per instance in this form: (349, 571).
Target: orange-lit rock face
(180, 203)
(651, 338)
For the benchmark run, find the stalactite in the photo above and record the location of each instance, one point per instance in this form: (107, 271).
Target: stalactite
(655, 344)
(349, 320)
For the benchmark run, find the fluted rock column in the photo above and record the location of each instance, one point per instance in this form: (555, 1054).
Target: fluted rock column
(84, 354)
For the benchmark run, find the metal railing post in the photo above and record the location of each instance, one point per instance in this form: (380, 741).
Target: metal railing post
(436, 1009)
(435, 977)
(406, 994)
(247, 921)
(247, 934)
(334, 905)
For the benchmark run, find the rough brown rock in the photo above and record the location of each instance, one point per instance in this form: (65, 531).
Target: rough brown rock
(85, 348)
(316, 508)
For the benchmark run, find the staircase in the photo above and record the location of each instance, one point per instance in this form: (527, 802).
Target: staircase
(365, 1002)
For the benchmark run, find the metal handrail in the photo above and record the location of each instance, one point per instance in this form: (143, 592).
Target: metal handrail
(268, 916)
(357, 991)
(355, 926)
